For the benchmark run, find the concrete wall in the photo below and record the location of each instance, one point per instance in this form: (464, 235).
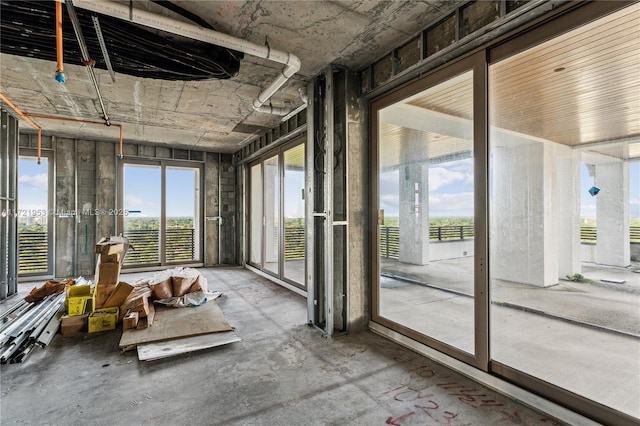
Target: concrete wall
(359, 262)
(440, 250)
(86, 180)
(220, 210)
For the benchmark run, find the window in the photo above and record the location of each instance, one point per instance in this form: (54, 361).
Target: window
(161, 212)
(35, 215)
(277, 214)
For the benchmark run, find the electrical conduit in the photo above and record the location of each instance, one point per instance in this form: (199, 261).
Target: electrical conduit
(152, 20)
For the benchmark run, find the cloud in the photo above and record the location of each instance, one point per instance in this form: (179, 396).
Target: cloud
(460, 204)
(39, 181)
(441, 176)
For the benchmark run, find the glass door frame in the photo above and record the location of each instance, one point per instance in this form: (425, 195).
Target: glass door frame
(523, 38)
(476, 63)
(279, 153)
(163, 165)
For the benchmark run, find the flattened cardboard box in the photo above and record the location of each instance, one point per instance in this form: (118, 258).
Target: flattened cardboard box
(118, 295)
(102, 294)
(107, 273)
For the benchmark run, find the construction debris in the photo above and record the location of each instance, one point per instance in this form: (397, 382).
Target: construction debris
(31, 324)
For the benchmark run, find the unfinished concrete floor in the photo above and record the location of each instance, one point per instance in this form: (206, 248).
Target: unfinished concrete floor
(283, 372)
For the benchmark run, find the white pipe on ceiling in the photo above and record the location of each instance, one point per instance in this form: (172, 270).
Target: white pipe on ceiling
(159, 22)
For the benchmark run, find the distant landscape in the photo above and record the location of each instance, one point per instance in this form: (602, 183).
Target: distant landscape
(140, 223)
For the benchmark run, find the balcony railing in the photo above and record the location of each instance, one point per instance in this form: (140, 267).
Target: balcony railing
(145, 245)
(294, 243)
(33, 252)
(33, 246)
(390, 236)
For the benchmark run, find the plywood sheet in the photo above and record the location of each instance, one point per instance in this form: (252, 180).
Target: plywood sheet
(172, 323)
(182, 345)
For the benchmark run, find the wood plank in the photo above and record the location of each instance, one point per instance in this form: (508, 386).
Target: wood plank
(168, 348)
(171, 323)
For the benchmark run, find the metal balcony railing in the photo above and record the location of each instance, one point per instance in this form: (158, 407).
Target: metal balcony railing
(33, 252)
(33, 246)
(145, 246)
(390, 236)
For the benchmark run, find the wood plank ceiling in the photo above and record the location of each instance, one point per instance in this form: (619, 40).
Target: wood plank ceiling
(581, 89)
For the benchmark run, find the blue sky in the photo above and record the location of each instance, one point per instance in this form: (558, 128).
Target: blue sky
(451, 190)
(143, 191)
(32, 183)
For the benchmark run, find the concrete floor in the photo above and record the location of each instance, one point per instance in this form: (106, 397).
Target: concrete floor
(584, 337)
(283, 372)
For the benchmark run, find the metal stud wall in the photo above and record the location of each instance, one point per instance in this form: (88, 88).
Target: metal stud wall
(8, 202)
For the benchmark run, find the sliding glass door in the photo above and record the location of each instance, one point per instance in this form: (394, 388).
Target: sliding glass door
(564, 174)
(505, 194)
(425, 198)
(161, 212)
(35, 214)
(276, 214)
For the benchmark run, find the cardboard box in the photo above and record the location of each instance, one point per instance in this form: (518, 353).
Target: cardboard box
(107, 273)
(130, 320)
(118, 295)
(139, 304)
(80, 299)
(103, 319)
(106, 247)
(110, 258)
(70, 326)
(102, 294)
(111, 252)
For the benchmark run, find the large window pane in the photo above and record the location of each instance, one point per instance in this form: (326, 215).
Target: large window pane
(142, 201)
(34, 216)
(565, 301)
(255, 226)
(294, 241)
(183, 211)
(271, 214)
(426, 202)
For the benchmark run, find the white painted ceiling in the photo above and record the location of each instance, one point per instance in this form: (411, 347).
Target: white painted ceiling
(217, 115)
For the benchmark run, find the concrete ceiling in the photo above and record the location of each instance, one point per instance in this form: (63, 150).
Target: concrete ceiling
(217, 115)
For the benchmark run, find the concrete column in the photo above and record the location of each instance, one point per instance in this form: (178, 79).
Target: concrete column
(359, 289)
(414, 201)
(612, 213)
(534, 211)
(567, 194)
(65, 202)
(212, 209)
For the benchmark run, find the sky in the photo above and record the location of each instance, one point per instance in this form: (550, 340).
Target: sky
(143, 191)
(451, 190)
(32, 183)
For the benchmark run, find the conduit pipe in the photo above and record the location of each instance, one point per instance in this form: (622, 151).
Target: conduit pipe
(27, 119)
(86, 59)
(159, 22)
(60, 77)
(77, 120)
